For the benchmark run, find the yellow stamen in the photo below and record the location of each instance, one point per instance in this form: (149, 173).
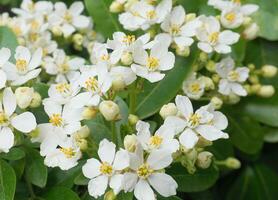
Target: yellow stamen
(3, 118)
(56, 120)
(106, 169)
(21, 65)
(64, 68)
(152, 63)
(129, 39)
(156, 141)
(230, 16)
(63, 87)
(213, 38)
(17, 30)
(68, 17)
(194, 120)
(195, 87)
(69, 152)
(175, 29)
(233, 75)
(144, 171)
(92, 84)
(151, 14)
(104, 57)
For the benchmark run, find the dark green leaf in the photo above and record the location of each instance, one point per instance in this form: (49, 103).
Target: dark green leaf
(221, 149)
(105, 22)
(8, 39)
(80, 179)
(125, 196)
(7, 181)
(201, 180)
(19, 166)
(124, 118)
(156, 95)
(14, 154)
(60, 193)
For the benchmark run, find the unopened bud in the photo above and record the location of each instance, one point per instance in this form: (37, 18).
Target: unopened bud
(110, 195)
(233, 99)
(82, 144)
(89, 112)
(21, 41)
(204, 159)
(83, 132)
(251, 67)
(203, 57)
(247, 21)
(216, 102)
(182, 51)
(209, 85)
(132, 119)
(232, 163)
(116, 7)
(215, 78)
(255, 88)
(127, 58)
(130, 143)
(254, 79)
(266, 91)
(251, 31)
(36, 100)
(77, 39)
(118, 83)
(110, 110)
(210, 66)
(190, 17)
(24, 96)
(56, 30)
(167, 110)
(269, 71)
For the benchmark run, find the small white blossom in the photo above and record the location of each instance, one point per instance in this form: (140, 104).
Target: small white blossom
(5, 55)
(194, 87)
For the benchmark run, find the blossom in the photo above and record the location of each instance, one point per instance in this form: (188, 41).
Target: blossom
(193, 87)
(193, 125)
(149, 65)
(105, 171)
(147, 173)
(162, 138)
(5, 55)
(212, 39)
(24, 122)
(231, 77)
(25, 67)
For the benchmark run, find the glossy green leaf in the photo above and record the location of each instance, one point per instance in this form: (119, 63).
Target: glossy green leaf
(7, 181)
(36, 171)
(13, 154)
(80, 179)
(99, 130)
(221, 149)
(245, 133)
(256, 183)
(59, 193)
(156, 95)
(8, 39)
(199, 181)
(125, 196)
(105, 22)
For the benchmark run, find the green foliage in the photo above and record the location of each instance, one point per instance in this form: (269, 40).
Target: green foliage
(7, 181)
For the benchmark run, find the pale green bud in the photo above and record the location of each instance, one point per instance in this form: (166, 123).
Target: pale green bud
(24, 96)
(167, 110)
(36, 100)
(266, 91)
(89, 112)
(130, 142)
(216, 102)
(132, 119)
(269, 71)
(110, 110)
(204, 159)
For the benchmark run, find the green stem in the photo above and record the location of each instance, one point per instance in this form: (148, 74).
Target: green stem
(132, 98)
(113, 131)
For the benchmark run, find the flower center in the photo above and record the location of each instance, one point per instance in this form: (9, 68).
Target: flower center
(156, 141)
(106, 169)
(213, 37)
(194, 120)
(151, 14)
(129, 39)
(69, 152)
(35, 25)
(4, 119)
(91, 84)
(144, 171)
(175, 29)
(152, 63)
(64, 68)
(68, 17)
(236, 1)
(195, 87)
(233, 75)
(230, 16)
(63, 88)
(104, 57)
(21, 65)
(17, 30)
(33, 37)
(56, 120)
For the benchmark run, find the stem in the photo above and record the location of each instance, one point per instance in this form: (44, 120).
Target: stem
(132, 98)
(113, 131)
(30, 188)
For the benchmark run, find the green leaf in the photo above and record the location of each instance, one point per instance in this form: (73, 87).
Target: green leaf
(99, 130)
(80, 179)
(256, 183)
(59, 193)
(124, 117)
(156, 95)
(125, 196)
(263, 110)
(13, 154)
(168, 198)
(36, 171)
(105, 22)
(221, 149)
(19, 166)
(201, 180)
(245, 133)
(8, 39)
(267, 18)
(41, 88)
(7, 181)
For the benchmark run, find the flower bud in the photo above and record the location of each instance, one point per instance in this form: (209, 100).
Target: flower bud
(118, 83)
(216, 102)
(82, 144)
(167, 110)
(109, 110)
(132, 119)
(127, 58)
(251, 67)
(209, 85)
(36, 100)
(210, 66)
(269, 71)
(56, 30)
(109, 195)
(254, 79)
(183, 51)
(77, 39)
(232, 163)
(255, 88)
(247, 21)
(130, 142)
(203, 57)
(24, 96)
(251, 31)
(83, 132)
(266, 91)
(21, 41)
(190, 17)
(89, 112)
(202, 142)
(233, 99)
(116, 7)
(215, 78)
(204, 159)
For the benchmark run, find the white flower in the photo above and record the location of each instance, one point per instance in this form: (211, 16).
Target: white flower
(122, 76)
(231, 77)
(5, 55)
(204, 122)
(211, 39)
(65, 68)
(178, 28)
(65, 117)
(148, 172)
(25, 67)
(69, 19)
(193, 87)
(149, 65)
(162, 138)
(106, 171)
(100, 54)
(24, 122)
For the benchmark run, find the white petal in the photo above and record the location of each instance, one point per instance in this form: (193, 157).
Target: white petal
(159, 159)
(130, 180)
(143, 191)
(154, 77)
(222, 48)
(3, 79)
(211, 133)
(249, 9)
(91, 168)
(164, 184)
(36, 59)
(22, 53)
(76, 8)
(81, 22)
(188, 138)
(228, 37)
(25, 122)
(174, 124)
(205, 47)
(184, 105)
(5, 55)
(97, 186)
(6, 139)
(121, 160)
(106, 151)
(238, 89)
(224, 87)
(167, 61)
(9, 101)
(219, 120)
(143, 131)
(23, 79)
(116, 183)
(178, 15)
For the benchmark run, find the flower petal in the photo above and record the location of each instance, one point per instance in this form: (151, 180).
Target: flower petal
(143, 191)
(6, 139)
(211, 133)
(106, 151)
(91, 168)
(9, 101)
(121, 160)
(188, 138)
(25, 122)
(97, 186)
(159, 159)
(184, 105)
(164, 184)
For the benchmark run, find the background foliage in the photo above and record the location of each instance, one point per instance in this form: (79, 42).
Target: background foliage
(253, 126)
